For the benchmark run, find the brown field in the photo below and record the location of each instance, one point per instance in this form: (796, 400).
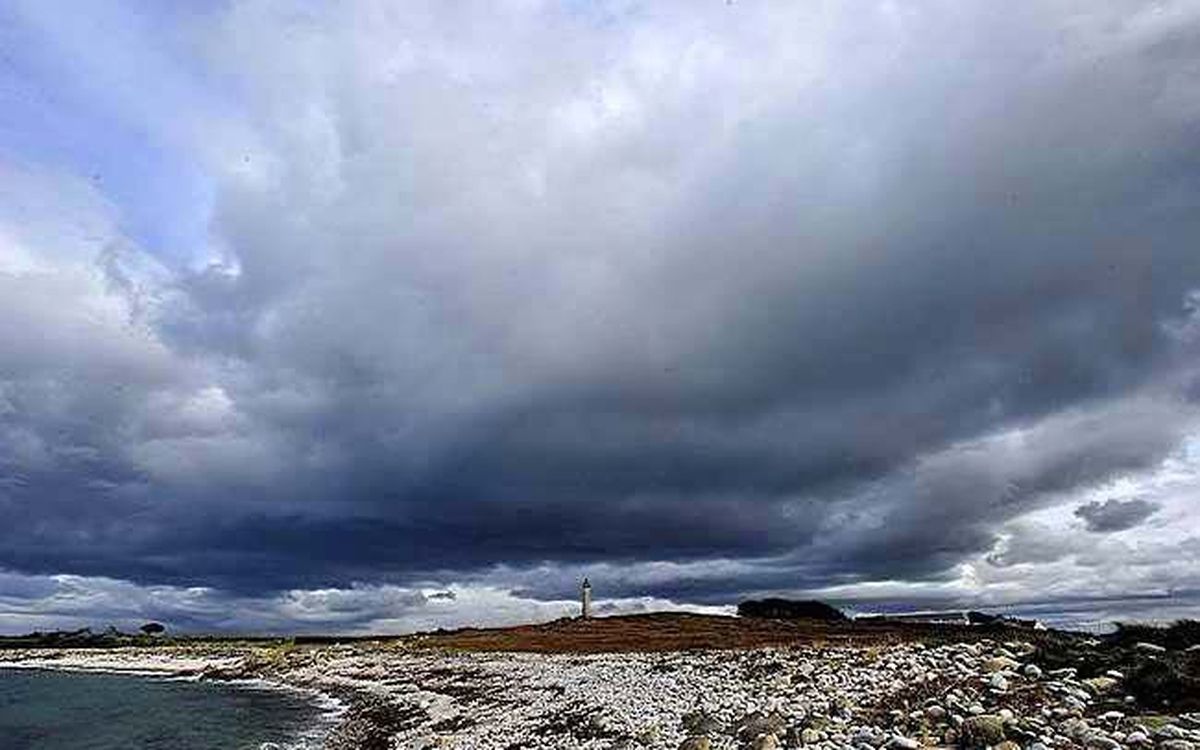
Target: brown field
(680, 631)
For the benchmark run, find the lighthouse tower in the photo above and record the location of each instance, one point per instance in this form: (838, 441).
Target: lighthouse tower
(586, 599)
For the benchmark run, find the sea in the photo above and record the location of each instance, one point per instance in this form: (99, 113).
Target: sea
(50, 710)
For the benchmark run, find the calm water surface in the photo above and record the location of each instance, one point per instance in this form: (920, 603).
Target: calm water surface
(42, 710)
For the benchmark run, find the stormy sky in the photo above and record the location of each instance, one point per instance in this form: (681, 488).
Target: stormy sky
(376, 316)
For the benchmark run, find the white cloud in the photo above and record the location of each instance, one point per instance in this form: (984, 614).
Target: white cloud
(722, 275)
(49, 602)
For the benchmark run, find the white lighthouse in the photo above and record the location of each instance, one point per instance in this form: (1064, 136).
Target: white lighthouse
(585, 599)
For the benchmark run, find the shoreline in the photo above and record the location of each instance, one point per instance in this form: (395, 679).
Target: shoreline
(827, 690)
(329, 709)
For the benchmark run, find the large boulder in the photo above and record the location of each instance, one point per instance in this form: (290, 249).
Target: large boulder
(981, 731)
(1000, 664)
(755, 724)
(697, 723)
(765, 742)
(1100, 685)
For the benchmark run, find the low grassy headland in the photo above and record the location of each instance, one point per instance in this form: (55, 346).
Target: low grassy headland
(692, 681)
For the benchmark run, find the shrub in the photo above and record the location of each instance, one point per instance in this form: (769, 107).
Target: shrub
(786, 609)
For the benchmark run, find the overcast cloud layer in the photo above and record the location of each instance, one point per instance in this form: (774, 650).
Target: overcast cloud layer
(358, 316)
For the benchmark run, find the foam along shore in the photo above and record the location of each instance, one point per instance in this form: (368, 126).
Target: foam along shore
(416, 693)
(186, 663)
(155, 662)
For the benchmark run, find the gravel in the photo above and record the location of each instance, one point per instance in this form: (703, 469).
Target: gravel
(896, 697)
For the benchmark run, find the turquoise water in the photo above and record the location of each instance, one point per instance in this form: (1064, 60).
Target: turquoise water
(42, 710)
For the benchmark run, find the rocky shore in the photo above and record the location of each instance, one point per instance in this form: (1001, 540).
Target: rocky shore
(1004, 694)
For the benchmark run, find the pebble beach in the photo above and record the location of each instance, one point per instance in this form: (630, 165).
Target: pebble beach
(1003, 694)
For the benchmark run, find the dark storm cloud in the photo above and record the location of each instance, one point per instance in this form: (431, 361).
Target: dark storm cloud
(1114, 514)
(834, 301)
